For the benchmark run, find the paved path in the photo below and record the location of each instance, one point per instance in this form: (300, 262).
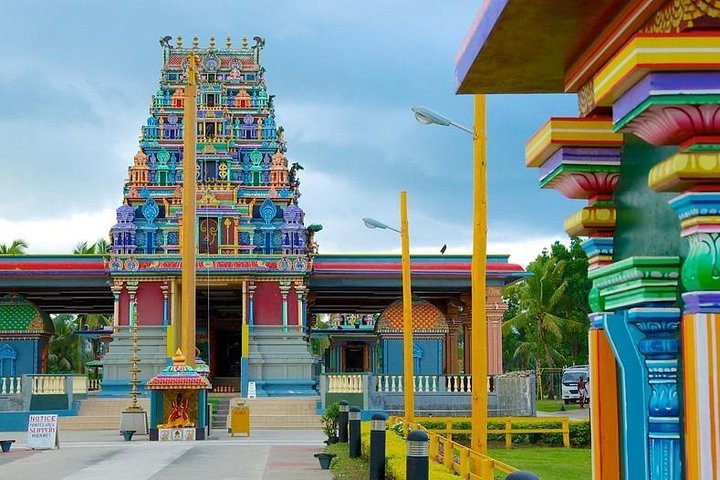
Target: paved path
(266, 455)
(573, 415)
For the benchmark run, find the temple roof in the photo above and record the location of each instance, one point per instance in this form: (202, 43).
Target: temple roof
(528, 46)
(17, 315)
(178, 376)
(426, 317)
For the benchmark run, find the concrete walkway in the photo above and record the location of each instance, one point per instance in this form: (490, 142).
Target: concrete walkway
(573, 415)
(85, 455)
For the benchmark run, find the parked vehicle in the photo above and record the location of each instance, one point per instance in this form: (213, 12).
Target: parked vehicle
(570, 378)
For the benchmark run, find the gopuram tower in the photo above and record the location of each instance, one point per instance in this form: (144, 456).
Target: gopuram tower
(252, 250)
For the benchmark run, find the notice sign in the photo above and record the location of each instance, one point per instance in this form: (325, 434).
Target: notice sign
(251, 390)
(42, 432)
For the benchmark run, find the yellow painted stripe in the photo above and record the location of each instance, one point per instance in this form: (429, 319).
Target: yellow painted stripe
(702, 220)
(711, 379)
(715, 367)
(559, 132)
(690, 390)
(595, 425)
(653, 53)
(170, 347)
(609, 414)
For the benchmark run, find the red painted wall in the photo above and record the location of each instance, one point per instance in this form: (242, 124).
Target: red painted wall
(150, 304)
(268, 304)
(124, 309)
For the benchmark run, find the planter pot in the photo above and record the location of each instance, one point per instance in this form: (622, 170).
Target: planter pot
(5, 445)
(325, 459)
(127, 434)
(332, 440)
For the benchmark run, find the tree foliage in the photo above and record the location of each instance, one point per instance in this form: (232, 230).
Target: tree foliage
(17, 247)
(546, 321)
(66, 353)
(85, 248)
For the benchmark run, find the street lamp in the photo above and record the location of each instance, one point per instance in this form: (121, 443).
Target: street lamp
(478, 344)
(409, 384)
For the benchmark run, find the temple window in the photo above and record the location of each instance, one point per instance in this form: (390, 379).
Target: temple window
(8, 356)
(210, 100)
(208, 236)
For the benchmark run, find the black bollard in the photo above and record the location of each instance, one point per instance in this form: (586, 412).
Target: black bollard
(354, 421)
(377, 446)
(417, 463)
(522, 475)
(343, 421)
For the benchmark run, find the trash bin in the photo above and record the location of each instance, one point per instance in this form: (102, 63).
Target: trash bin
(240, 419)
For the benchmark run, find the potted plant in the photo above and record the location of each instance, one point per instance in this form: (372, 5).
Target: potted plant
(330, 423)
(325, 458)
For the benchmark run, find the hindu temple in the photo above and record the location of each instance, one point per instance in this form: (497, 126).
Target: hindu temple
(260, 283)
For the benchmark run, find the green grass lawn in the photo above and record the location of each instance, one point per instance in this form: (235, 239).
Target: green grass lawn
(554, 405)
(549, 463)
(345, 468)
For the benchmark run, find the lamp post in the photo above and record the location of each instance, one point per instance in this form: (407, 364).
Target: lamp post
(478, 347)
(409, 384)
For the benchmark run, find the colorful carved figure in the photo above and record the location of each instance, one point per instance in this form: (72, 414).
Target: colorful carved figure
(178, 417)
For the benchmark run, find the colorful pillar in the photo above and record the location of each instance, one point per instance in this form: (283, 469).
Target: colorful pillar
(132, 288)
(244, 370)
(667, 95)
(300, 291)
(284, 290)
(116, 290)
(251, 304)
(581, 159)
(166, 306)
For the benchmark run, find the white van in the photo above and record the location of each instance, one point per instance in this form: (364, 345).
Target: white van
(570, 378)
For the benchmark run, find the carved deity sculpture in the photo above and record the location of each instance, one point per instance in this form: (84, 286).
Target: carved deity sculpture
(178, 417)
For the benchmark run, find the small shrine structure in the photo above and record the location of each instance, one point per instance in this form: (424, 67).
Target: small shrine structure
(178, 402)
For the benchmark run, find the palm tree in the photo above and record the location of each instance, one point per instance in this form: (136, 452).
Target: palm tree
(539, 316)
(65, 348)
(17, 247)
(102, 246)
(83, 248)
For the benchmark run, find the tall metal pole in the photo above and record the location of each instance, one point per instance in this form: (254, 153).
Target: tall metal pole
(187, 330)
(478, 360)
(409, 386)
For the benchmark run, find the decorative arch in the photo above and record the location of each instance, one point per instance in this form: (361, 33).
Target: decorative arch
(8, 357)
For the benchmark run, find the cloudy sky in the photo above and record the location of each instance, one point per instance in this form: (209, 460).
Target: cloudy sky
(76, 81)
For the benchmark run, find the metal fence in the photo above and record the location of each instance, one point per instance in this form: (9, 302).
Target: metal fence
(549, 383)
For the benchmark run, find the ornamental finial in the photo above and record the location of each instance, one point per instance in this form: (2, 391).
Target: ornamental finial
(212, 42)
(244, 42)
(196, 42)
(228, 42)
(179, 41)
(178, 358)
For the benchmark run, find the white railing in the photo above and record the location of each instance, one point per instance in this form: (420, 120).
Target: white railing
(10, 385)
(458, 383)
(425, 383)
(47, 384)
(79, 384)
(93, 384)
(346, 383)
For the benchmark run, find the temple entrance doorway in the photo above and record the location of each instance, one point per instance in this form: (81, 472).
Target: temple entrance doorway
(228, 353)
(354, 358)
(219, 333)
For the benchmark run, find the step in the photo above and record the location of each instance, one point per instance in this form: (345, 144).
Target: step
(90, 422)
(109, 406)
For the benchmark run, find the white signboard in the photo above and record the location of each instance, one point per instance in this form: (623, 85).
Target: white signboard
(43, 432)
(251, 390)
